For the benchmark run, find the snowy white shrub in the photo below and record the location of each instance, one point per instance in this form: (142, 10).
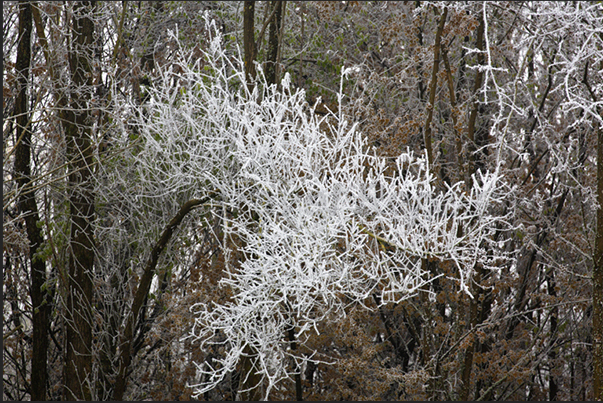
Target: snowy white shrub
(319, 220)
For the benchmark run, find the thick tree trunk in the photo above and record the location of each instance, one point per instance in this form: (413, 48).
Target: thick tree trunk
(77, 369)
(28, 207)
(274, 39)
(470, 169)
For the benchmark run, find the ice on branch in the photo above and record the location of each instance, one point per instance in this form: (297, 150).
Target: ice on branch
(319, 220)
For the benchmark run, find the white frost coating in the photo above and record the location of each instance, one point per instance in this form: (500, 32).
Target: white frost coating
(318, 216)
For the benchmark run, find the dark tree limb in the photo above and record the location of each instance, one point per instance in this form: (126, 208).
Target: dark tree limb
(142, 291)
(474, 320)
(249, 42)
(28, 207)
(272, 75)
(598, 280)
(433, 86)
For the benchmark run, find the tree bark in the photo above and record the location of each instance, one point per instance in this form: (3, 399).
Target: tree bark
(274, 39)
(453, 114)
(467, 367)
(249, 42)
(477, 84)
(552, 354)
(298, 383)
(29, 208)
(598, 280)
(433, 87)
(77, 123)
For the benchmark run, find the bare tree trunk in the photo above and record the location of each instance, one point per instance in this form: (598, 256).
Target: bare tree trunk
(78, 127)
(249, 41)
(298, 383)
(552, 354)
(272, 75)
(28, 207)
(467, 367)
(477, 84)
(598, 281)
(433, 87)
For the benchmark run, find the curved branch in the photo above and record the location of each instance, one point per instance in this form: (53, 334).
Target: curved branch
(142, 291)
